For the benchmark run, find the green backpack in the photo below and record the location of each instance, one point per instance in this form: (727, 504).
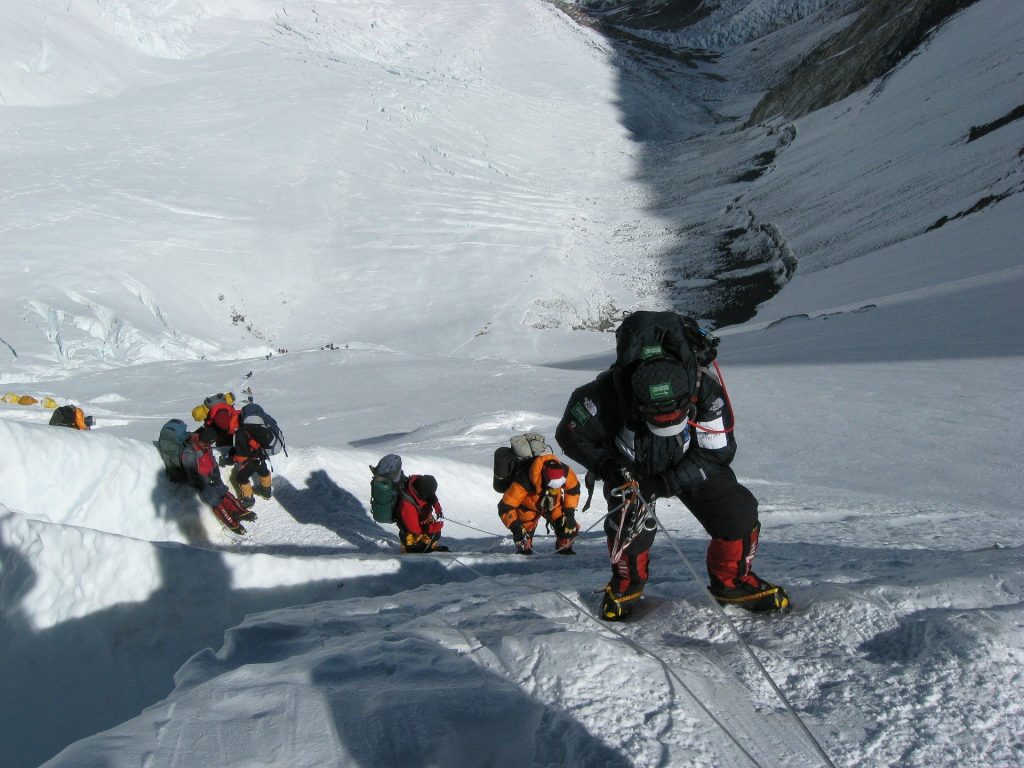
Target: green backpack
(386, 488)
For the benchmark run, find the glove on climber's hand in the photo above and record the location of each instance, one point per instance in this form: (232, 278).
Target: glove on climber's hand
(566, 525)
(653, 487)
(614, 472)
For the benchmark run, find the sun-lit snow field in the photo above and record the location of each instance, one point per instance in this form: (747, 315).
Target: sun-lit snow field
(401, 223)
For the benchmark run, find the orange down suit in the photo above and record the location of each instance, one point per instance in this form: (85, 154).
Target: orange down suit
(526, 501)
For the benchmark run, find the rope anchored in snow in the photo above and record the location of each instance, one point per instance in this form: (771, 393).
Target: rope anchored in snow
(643, 649)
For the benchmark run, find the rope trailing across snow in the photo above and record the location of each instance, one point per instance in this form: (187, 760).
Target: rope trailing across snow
(640, 647)
(478, 530)
(720, 611)
(504, 536)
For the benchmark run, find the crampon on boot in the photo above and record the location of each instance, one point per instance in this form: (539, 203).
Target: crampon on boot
(237, 509)
(524, 546)
(564, 547)
(615, 607)
(228, 520)
(752, 593)
(413, 543)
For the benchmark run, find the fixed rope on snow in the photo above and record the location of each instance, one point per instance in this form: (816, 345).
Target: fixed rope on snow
(720, 612)
(643, 649)
(505, 536)
(629, 493)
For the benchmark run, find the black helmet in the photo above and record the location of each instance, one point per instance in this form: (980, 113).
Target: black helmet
(425, 487)
(661, 390)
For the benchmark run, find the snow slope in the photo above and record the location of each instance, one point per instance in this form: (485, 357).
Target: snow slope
(399, 223)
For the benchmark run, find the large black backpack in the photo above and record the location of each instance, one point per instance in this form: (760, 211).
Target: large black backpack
(512, 458)
(648, 335)
(253, 415)
(64, 416)
(68, 416)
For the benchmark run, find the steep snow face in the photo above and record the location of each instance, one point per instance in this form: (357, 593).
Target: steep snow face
(429, 205)
(748, 232)
(121, 590)
(881, 37)
(254, 167)
(61, 53)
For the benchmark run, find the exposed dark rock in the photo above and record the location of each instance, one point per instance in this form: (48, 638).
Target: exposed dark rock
(883, 35)
(618, 20)
(761, 164)
(981, 205)
(977, 131)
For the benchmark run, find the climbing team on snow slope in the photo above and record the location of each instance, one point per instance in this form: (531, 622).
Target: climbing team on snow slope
(247, 439)
(657, 424)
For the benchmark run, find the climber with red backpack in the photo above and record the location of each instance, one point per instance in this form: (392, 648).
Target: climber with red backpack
(658, 424)
(219, 412)
(200, 467)
(251, 436)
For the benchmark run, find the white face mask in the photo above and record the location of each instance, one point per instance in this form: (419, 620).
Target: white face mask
(670, 431)
(557, 482)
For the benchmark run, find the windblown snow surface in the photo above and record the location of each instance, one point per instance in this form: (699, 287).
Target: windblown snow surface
(408, 227)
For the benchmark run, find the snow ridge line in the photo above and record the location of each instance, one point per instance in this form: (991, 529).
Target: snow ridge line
(929, 291)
